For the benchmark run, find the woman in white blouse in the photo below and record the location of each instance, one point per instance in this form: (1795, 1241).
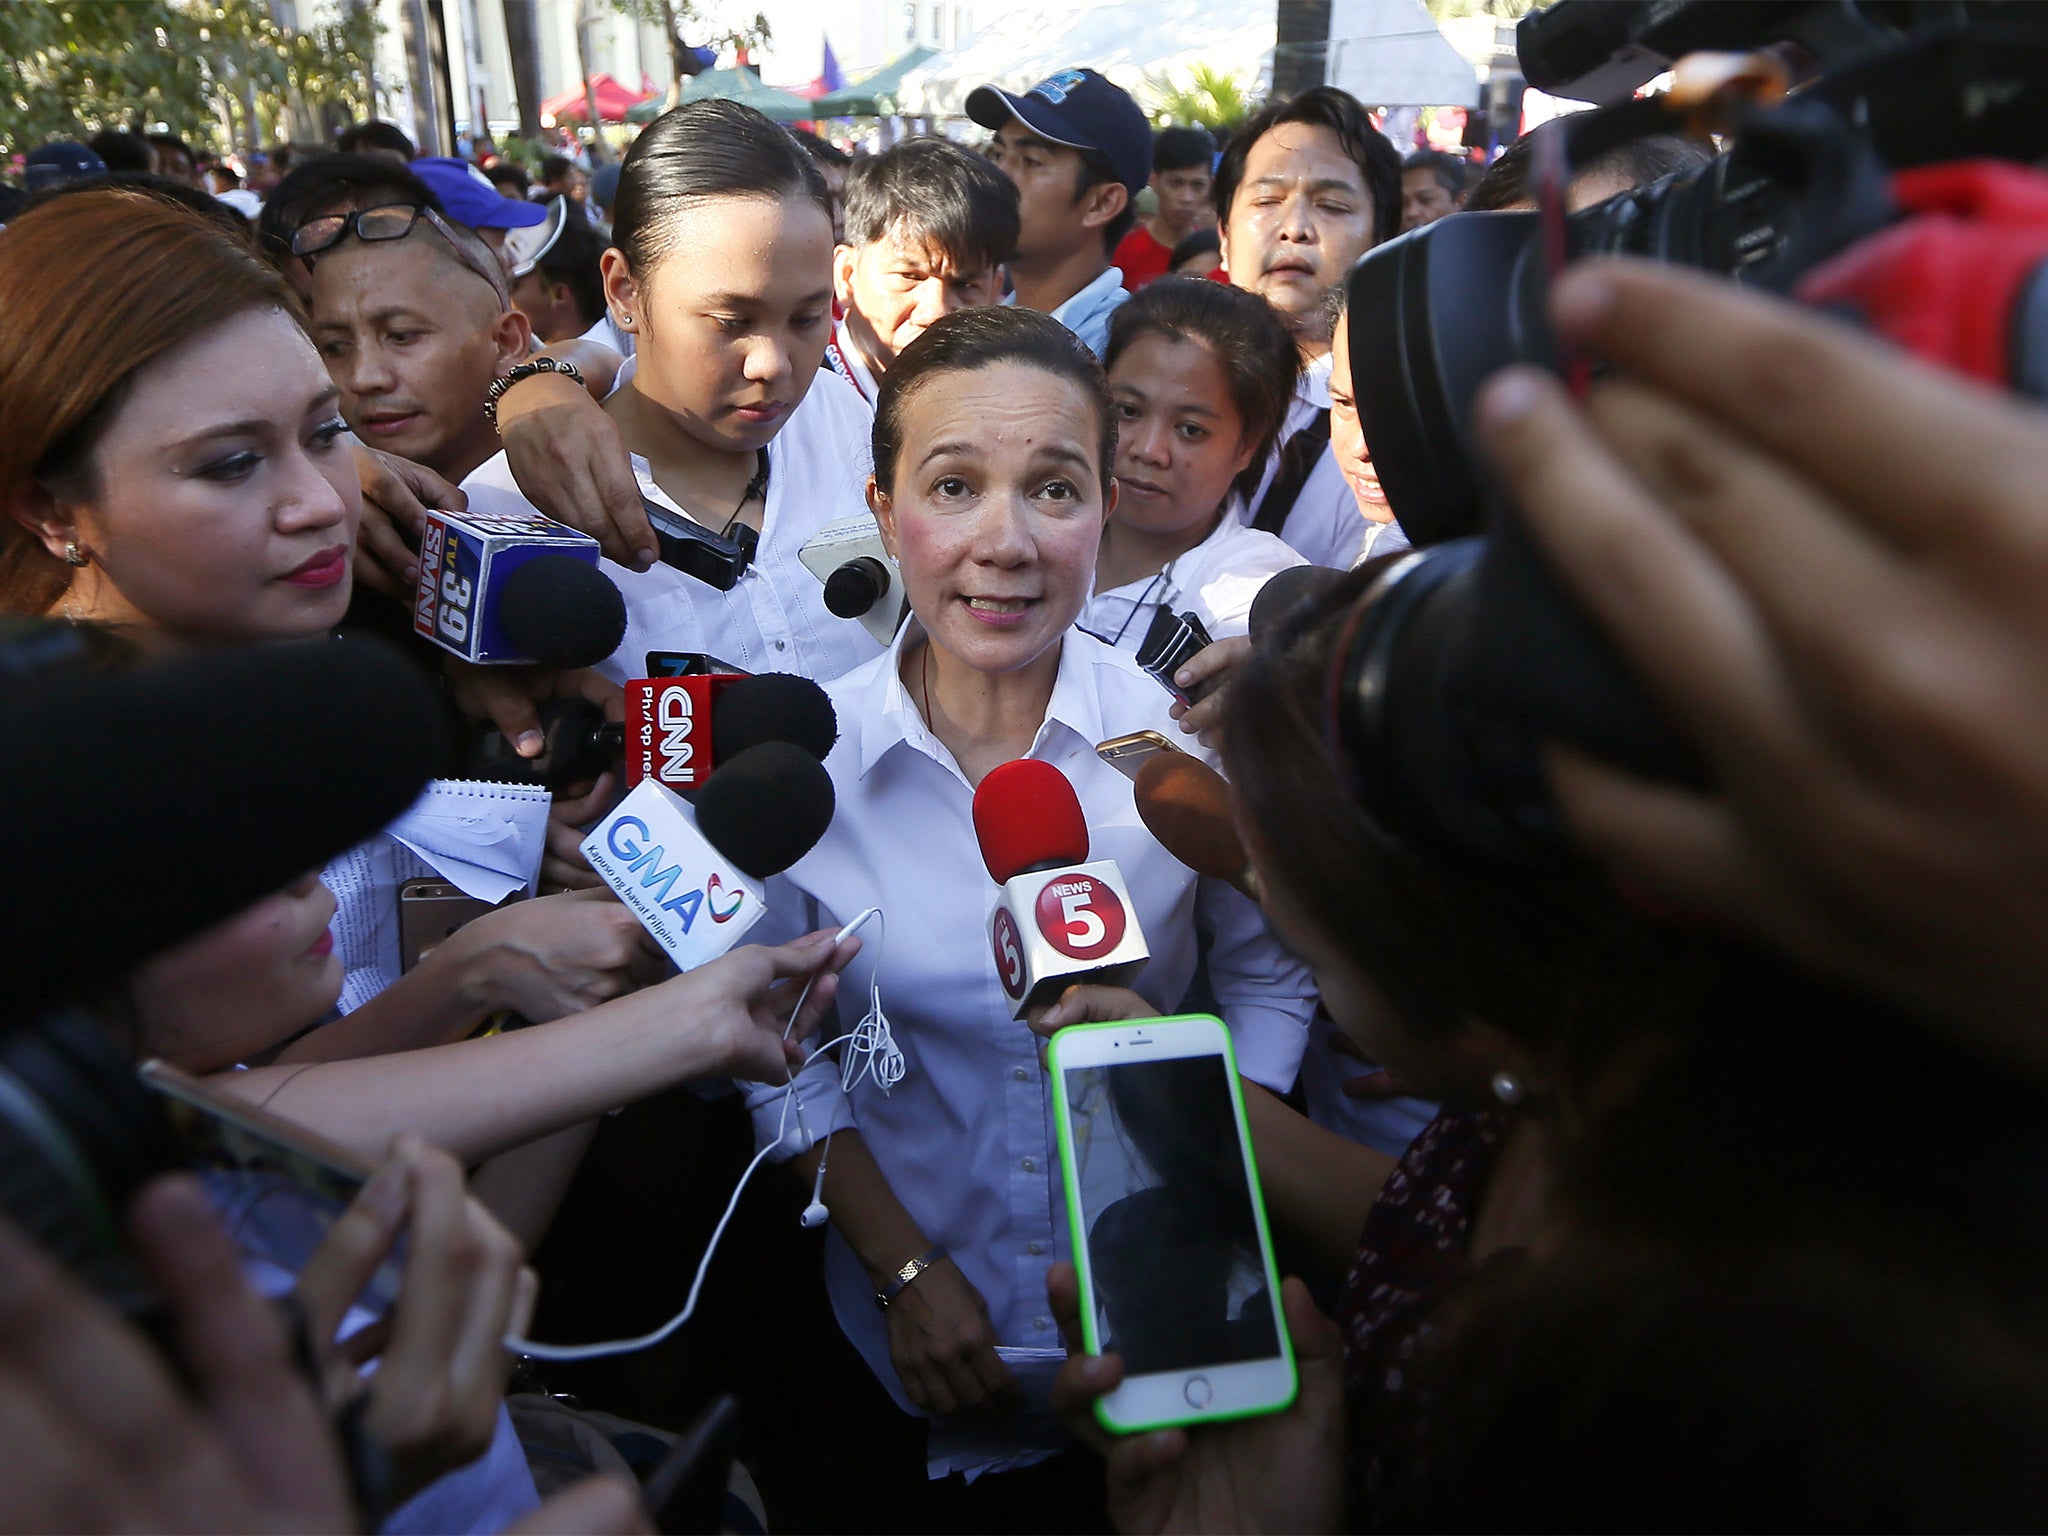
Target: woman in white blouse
(1202, 374)
(721, 268)
(993, 443)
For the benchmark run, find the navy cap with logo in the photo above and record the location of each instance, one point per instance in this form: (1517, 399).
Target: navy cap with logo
(472, 198)
(59, 161)
(1081, 110)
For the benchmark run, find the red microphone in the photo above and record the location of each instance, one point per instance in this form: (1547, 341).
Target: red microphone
(1060, 919)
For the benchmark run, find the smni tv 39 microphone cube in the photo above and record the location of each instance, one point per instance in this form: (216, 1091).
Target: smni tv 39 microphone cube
(690, 897)
(1053, 929)
(465, 562)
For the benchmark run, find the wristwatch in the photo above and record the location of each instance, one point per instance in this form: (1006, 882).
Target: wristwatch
(525, 370)
(893, 1286)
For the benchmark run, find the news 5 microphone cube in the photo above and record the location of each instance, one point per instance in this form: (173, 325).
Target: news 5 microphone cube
(685, 893)
(668, 729)
(465, 558)
(1063, 926)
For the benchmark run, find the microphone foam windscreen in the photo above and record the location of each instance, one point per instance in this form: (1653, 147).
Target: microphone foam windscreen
(773, 706)
(1027, 816)
(561, 611)
(143, 806)
(1186, 805)
(766, 807)
(1285, 591)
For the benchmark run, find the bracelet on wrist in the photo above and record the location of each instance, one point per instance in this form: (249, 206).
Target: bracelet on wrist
(526, 370)
(895, 1285)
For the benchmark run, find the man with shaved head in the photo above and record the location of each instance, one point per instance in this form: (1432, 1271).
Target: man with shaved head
(414, 326)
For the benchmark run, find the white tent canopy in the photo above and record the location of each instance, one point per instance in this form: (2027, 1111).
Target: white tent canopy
(1126, 41)
(1387, 53)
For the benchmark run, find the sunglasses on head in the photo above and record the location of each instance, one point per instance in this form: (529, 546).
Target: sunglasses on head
(387, 221)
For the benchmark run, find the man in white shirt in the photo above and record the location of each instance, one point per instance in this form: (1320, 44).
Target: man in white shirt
(1306, 187)
(929, 226)
(1079, 149)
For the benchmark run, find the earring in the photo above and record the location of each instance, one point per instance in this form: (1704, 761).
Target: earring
(1508, 1089)
(73, 555)
(625, 322)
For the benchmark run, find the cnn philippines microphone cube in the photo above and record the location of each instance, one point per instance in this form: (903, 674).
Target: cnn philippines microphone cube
(694, 902)
(668, 729)
(464, 558)
(1052, 929)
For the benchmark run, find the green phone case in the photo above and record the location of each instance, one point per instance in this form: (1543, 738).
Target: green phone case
(1063, 1127)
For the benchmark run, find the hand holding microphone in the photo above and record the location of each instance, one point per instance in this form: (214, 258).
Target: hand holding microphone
(1060, 919)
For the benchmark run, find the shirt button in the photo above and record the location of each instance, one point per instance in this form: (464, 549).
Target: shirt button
(1029, 1165)
(1035, 1249)
(782, 645)
(1020, 1074)
(1039, 1322)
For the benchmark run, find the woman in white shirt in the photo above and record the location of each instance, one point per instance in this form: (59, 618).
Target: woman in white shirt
(993, 443)
(721, 271)
(1202, 374)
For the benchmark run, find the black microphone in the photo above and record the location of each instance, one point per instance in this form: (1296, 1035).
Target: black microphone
(144, 806)
(1285, 591)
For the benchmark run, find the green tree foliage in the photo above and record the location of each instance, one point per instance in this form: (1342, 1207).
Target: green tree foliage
(209, 69)
(1212, 97)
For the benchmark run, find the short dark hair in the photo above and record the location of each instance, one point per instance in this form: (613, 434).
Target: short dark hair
(1194, 243)
(173, 142)
(1509, 179)
(935, 193)
(361, 138)
(576, 258)
(821, 149)
(708, 148)
(1448, 170)
(969, 340)
(1259, 360)
(1095, 170)
(316, 185)
(123, 151)
(555, 167)
(1378, 162)
(509, 173)
(191, 199)
(1182, 148)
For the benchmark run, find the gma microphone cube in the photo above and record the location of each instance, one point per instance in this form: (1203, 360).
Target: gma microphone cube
(467, 561)
(684, 891)
(1057, 927)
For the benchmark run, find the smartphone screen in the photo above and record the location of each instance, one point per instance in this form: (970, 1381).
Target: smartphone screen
(1178, 1278)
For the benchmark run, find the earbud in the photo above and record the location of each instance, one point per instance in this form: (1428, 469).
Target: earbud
(815, 1215)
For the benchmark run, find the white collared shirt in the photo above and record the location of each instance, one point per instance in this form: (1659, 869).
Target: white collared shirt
(966, 1139)
(774, 619)
(1216, 581)
(1087, 313)
(1325, 525)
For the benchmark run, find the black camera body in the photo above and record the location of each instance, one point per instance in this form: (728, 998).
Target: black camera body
(1467, 655)
(693, 549)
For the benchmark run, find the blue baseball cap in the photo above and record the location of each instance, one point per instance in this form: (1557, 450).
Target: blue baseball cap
(62, 160)
(1080, 109)
(471, 198)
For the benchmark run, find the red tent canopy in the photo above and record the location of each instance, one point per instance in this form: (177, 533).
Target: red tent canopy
(612, 101)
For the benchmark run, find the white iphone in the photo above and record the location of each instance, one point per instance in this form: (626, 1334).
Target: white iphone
(1170, 1239)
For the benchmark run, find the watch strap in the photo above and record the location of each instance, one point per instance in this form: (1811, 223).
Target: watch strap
(894, 1285)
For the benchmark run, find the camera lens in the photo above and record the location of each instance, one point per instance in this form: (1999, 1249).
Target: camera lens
(856, 587)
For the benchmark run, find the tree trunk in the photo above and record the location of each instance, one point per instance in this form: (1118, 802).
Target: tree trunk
(589, 91)
(673, 32)
(1301, 45)
(522, 41)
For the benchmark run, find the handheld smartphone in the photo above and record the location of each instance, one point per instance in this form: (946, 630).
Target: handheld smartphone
(1170, 1239)
(277, 1186)
(1128, 753)
(428, 912)
(1170, 641)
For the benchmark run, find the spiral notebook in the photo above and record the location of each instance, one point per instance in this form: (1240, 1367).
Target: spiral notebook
(485, 838)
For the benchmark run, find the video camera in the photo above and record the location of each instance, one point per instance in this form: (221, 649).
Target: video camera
(1904, 141)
